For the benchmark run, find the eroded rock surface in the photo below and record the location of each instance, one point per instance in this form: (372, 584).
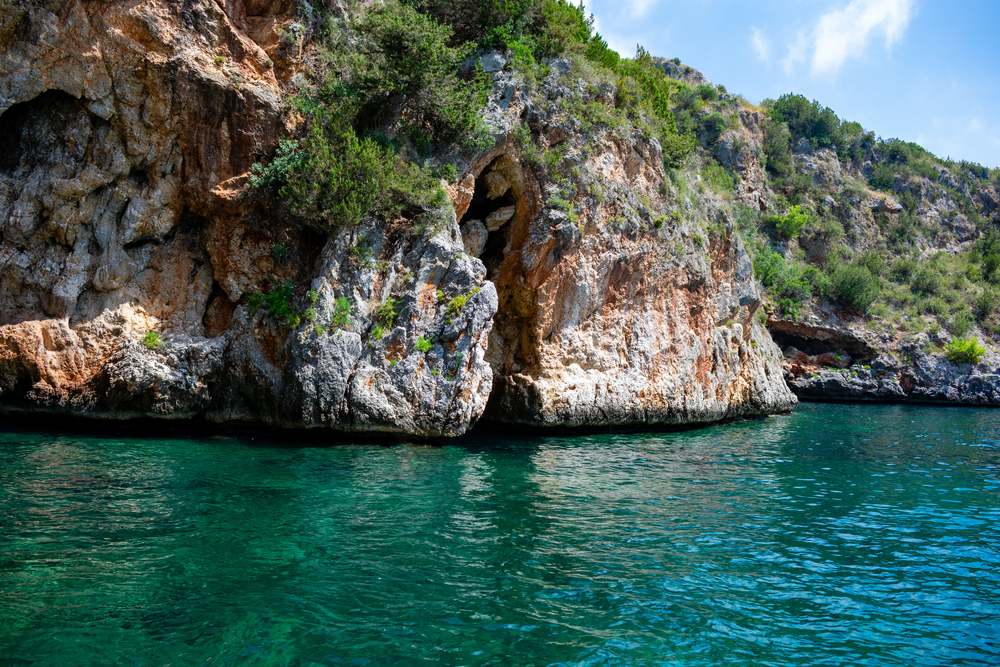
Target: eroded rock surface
(564, 299)
(127, 131)
(848, 365)
(614, 313)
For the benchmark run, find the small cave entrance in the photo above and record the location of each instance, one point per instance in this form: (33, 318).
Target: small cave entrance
(12, 124)
(494, 203)
(30, 130)
(815, 341)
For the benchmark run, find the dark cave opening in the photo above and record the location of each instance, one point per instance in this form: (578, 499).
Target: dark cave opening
(12, 124)
(493, 254)
(481, 207)
(17, 133)
(856, 349)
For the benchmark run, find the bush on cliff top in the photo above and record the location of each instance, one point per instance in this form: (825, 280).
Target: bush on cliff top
(537, 29)
(342, 166)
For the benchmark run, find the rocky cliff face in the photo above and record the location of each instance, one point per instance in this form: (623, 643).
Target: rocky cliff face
(631, 311)
(895, 352)
(127, 132)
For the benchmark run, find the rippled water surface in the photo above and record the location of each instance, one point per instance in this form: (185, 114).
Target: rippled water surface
(839, 535)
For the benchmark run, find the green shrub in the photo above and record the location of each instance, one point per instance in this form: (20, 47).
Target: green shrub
(883, 177)
(707, 92)
(873, 260)
(933, 306)
(988, 243)
(342, 165)
(856, 286)
(279, 253)
(409, 62)
(686, 99)
(152, 340)
(676, 149)
(565, 28)
(991, 265)
(448, 172)
(926, 280)
(783, 279)
(747, 217)
(387, 312)
(961, 322)
(278, 304)
(778, 148)
(424, 345)
(903, 269)
(987, 302)
(974, 273)
(819, 124)
(712, 126)
(340, 177)
(341, 317)
(790, 224)
(790, 309)
(967, 351)
(716, 177)
(818, 280)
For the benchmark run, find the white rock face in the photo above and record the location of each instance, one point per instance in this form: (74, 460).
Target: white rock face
(625, 310)
(474, 235)
(353, 379)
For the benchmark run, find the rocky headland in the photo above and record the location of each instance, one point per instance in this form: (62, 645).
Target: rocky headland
(139, 271)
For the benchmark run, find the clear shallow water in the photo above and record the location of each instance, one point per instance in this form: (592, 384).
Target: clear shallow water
(839, 535)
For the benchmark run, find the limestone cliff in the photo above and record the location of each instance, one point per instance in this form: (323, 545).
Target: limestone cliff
(128, 129)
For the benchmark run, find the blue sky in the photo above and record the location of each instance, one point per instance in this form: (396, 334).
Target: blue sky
(921, 70)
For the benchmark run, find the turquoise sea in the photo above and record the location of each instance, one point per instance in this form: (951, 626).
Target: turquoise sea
(837, 535)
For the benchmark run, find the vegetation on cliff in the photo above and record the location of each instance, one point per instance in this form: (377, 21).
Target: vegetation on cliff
(853, 223)
(387, 90)
(845, 220)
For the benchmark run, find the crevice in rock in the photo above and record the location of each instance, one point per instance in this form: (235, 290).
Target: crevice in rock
(219, 310)
(140, 177)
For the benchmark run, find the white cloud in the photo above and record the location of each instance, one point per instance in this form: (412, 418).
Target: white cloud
(845, 33)
(761, 44)
(796, 52)
(976, 125)
(638, 8)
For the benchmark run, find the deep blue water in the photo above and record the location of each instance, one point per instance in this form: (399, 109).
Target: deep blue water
(838, 535)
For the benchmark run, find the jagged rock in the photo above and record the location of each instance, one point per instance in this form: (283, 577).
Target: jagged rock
(878, 372)
(498, 184)
(492, 62)
(607, 321)
(682, 72)
(474, 235)
(499, 218)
